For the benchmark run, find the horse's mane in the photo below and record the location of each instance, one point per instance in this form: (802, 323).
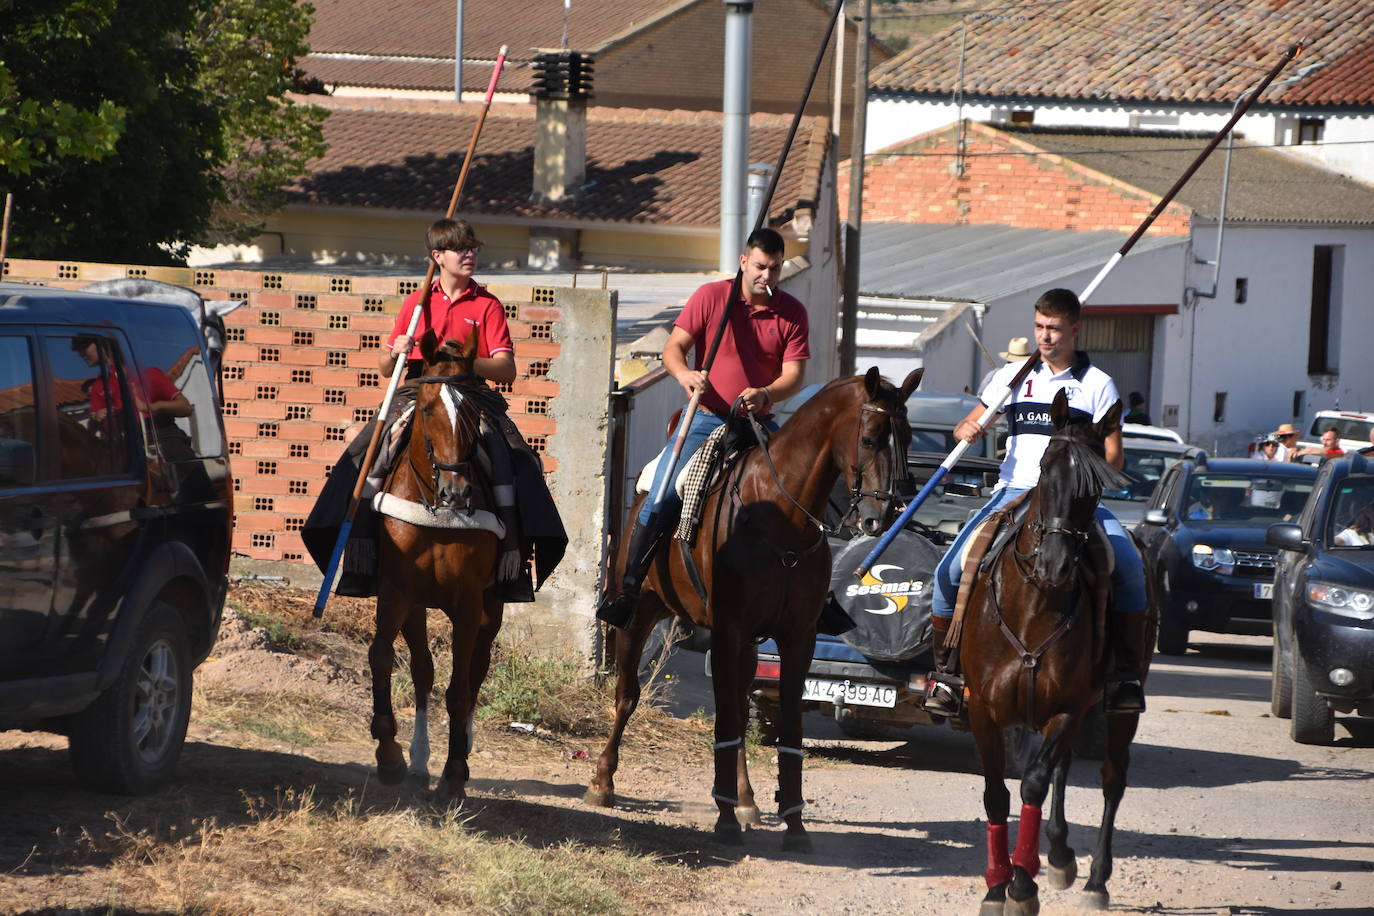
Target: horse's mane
(1090, 473)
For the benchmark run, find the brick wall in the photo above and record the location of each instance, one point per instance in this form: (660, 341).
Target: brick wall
(301, 376)
(1001, 184)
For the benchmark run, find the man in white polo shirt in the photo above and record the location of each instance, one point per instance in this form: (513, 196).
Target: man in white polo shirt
(1091, 393)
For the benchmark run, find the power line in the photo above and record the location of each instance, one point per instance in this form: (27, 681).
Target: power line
(1079, 153)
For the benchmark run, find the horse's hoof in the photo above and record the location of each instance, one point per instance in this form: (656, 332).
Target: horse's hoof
(1095, 900)
(1028, 907)
(418, 781)
(990, 908)
(391, 774)
(796, 842)
(446, 795)
(1062, 878)
(748, 817)
(728, 834)
(599, 798)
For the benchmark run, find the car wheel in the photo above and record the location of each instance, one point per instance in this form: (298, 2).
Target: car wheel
(1313, 721)
(1173, 634)
(1092, 735)
(1280, 685)
(129, 739)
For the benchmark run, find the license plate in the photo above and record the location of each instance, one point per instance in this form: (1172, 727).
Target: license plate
(850, 693)
(1264, 590)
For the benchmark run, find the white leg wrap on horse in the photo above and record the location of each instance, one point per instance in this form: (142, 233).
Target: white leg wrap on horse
(798, 808)
(784, 749)
(726, 799)
(726, 745)
(419, 744)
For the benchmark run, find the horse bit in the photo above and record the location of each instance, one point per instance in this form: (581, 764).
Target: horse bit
(436, 466)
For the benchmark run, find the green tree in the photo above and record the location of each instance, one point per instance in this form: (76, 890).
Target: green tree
(32, 133)
(247, 50)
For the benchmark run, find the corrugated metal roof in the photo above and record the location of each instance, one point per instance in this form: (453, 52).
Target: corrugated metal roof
(979, 263)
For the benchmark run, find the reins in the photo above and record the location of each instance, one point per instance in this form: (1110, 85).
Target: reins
(430, 500)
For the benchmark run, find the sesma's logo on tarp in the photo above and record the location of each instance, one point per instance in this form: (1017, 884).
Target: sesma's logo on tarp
(895, 592)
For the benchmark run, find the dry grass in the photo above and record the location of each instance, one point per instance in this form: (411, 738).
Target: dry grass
(294, 854)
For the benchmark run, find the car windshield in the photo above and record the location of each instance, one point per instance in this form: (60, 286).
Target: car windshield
(1352, 513)
(1144, 466)
(1241, 498)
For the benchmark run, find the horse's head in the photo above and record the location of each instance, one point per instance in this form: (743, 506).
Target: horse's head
(1073, 473)
(875, 460)
(446, 424)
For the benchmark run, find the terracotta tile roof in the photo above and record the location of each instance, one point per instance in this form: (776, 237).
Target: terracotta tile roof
(658, 167)
(1199, 51)
(1091, 180)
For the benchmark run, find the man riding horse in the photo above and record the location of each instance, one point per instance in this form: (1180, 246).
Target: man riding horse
(761, 360)
(1091, 393)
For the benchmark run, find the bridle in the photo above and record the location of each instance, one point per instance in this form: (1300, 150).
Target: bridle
(1041, 528)
(430, 500)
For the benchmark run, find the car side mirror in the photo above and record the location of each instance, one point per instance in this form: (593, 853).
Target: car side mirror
(1285, 536)
(1155, 517)
(17, 467)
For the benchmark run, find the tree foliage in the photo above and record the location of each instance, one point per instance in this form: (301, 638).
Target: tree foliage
(131, 129)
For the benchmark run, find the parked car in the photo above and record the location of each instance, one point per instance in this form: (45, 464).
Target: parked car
(1203, 538)
(873, 678)
(115, 527)
(1146, 461)
(1142, 431)
(1323, 660)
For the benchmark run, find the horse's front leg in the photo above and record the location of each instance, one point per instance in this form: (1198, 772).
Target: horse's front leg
(987, 735)
(794, 652)
(746, 812)
(381, 659)
(416, 634)
(1115, 765)
(629, 645)
(1063, 870)
(465, 616)
(1023, 895)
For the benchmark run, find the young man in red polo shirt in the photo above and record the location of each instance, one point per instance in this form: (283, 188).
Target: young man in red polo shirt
(762, 360)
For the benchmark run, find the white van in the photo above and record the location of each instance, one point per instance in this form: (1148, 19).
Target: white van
(1352, 425)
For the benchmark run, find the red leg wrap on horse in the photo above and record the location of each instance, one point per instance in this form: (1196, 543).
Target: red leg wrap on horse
(1027, 853)
(999, 866)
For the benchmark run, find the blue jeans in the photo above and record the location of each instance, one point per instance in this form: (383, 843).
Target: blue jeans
(1128, 578)
(703, 424)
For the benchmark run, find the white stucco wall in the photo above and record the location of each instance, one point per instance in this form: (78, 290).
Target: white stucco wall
(1347, 142)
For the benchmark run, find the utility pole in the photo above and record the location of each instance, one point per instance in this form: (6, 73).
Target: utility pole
(849, 313)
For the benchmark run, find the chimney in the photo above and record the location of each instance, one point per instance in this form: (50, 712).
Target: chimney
(734, 140)
(562, 86)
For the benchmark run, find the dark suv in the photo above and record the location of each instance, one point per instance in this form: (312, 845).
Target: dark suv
(115, 526)
(1203, 538)
(1324, 603)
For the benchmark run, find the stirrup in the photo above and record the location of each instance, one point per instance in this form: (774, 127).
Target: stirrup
(944, 695)
(617, 609)
(1128, 698)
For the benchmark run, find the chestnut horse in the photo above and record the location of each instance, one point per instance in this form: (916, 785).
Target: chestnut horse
(764, 562)
(420, 566)
(1034, 655)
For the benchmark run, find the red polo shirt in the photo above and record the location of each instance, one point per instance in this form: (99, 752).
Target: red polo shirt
(756, 343)
(456, 318)
(156, 387)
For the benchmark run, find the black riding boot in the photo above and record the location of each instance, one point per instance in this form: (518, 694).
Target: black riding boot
(1126, 634)
(944, 687)
(618, 607)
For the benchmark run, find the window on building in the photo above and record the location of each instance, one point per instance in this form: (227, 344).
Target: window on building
(1310, 130)
(1299, 403)
(1324, 319)
(1219, 408)
(1242, 289)
(1022, 116)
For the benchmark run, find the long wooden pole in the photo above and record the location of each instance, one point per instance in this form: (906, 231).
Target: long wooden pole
(690, 411)
(985, 420)
(5, 230)
(399, 369)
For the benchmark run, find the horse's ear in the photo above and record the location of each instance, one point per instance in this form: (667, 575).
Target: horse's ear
(913, 379)
(1059, 410)
(873, 381)
(429, 345)
(468, 348)
(1110, 422)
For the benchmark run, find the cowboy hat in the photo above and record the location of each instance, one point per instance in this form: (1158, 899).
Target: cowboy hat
(1285, 429)
(1017, 348)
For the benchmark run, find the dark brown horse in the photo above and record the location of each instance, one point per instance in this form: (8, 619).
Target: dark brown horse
(765, 565)
(422, 566)
(1034, 650)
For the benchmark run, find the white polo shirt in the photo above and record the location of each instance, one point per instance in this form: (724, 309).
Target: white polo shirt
(1091, 394)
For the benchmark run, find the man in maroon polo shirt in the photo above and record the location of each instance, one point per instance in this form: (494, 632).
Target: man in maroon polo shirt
(761, 360)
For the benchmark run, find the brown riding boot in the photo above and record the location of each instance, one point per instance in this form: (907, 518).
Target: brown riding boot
(1126, 637)
(617, 608)
(944, 688)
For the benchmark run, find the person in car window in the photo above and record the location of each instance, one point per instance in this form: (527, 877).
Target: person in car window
(1137, 412)
(1091, 393)
(1360, 532)
(156, 397)
(1330, 447)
